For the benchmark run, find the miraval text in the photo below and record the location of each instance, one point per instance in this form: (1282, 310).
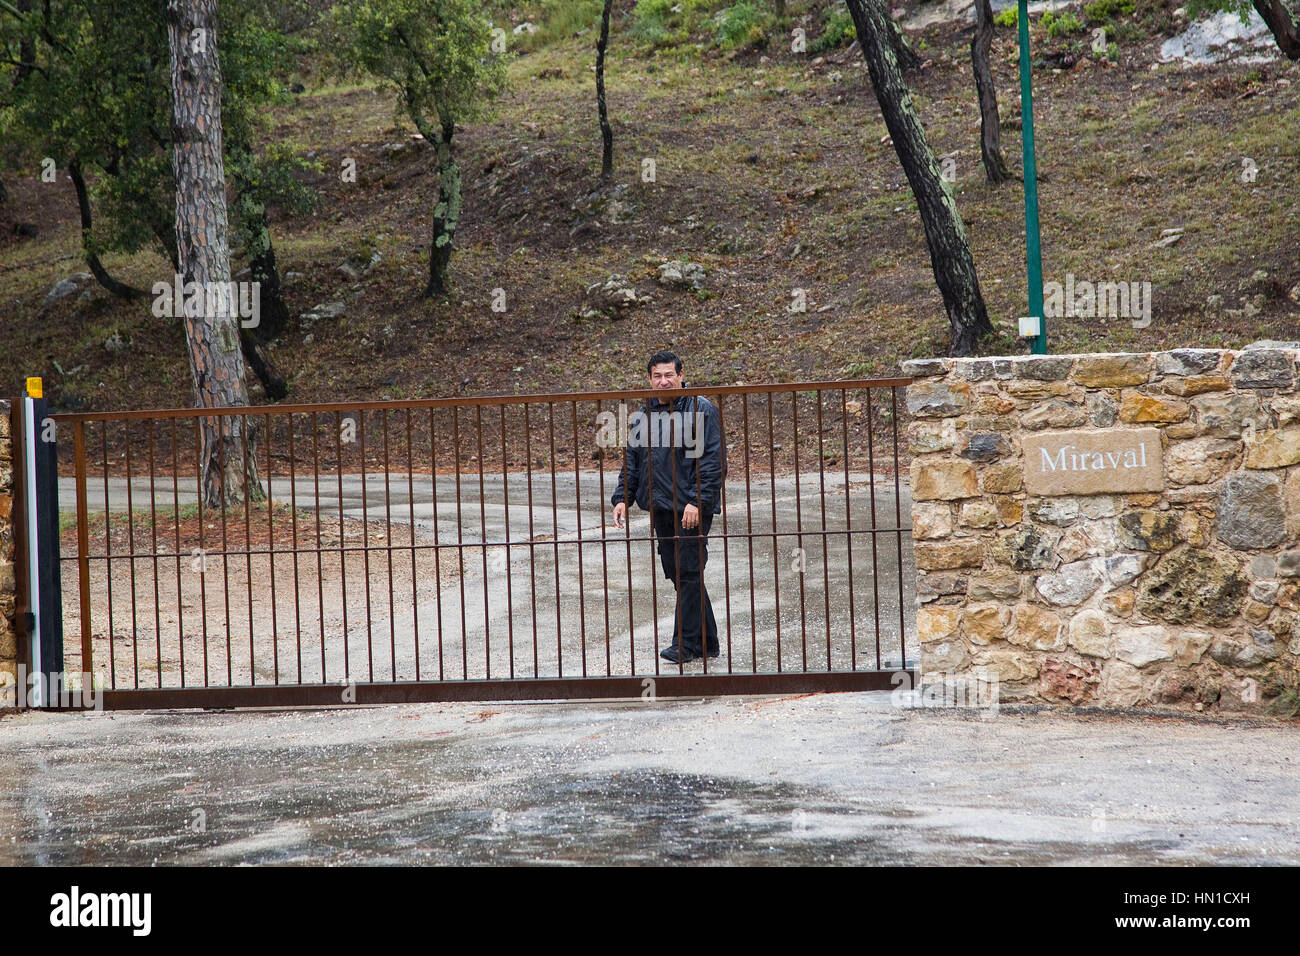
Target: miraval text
(1067, 460)
(134, 910)
(1084, 299)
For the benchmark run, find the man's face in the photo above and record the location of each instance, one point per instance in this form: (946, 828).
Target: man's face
(665, 375)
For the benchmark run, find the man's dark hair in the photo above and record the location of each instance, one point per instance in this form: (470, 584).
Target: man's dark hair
(660, 357)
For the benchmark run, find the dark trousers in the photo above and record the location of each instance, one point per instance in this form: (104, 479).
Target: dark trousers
(683, 563)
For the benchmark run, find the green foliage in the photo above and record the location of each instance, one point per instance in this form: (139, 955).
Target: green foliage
(435, 55)
(1060, 24)
(101, 94)
(666, 23)
(837, 31)
(1010, 17)
(742, 26)
(1105, 11)
(553, 21)
(1199, 8)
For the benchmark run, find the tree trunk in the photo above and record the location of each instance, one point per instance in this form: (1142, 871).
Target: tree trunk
(995, 167)
(272, 312)
(903, 52)
(97, 269)
(1282, 23)
(202, 242)
(606, 134)
(954, 269)
(446, 214)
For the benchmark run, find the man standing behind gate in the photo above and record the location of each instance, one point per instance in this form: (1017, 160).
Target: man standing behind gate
(674, 464)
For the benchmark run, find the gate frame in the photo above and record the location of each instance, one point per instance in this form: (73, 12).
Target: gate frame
(620, 687)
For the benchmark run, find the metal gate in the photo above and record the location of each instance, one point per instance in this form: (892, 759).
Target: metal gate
(464, 549)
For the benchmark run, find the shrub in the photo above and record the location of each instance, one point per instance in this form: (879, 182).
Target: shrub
(1104, 11)
(1010, 17)
(741, 26)
(1061, 24)
(838, 30)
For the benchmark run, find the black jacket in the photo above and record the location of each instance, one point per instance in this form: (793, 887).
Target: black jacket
(696, 433)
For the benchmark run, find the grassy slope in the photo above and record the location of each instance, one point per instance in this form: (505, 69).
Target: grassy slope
(772, 174)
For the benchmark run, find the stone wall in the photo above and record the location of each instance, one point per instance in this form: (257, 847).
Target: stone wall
(1119, 529)
(8, 631)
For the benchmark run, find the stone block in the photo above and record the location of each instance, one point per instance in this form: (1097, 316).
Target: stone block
(937, 398)
(1068, 680)
(924, 368)
(1195, 385)
(978, 514)
(931, 520)
(1141, 646)
(1002, 478)
(1089, 633)
(1042, 368)
(1136, 408)
(1188, 361)
(1056, 413)
(1201, 460)
(1102, 409)
(929, 435)
(1027, 548)
(1250, 514)
(984, 624)
(944, 480)
(937, 623)
(1224, 415)
(1191, 584)
(1121, 685)
(1035, 628)
(1007, 664)
(1190, 646)
(994, 585)
(1148, 530)
(1262, 368)
(1071, 584)
(1273, 449)
(985, 447)
(943, 657)
(1112, 371)
(946, 555)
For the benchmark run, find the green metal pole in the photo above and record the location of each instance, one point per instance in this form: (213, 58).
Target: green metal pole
(1033, 247)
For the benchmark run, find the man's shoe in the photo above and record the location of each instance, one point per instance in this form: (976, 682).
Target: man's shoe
(669, 653)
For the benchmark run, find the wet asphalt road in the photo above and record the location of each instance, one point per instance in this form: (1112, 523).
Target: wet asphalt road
(838, 778)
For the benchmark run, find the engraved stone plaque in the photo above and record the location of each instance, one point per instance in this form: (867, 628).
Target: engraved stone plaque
(1089, 462)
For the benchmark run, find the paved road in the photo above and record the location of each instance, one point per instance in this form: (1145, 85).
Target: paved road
(838, 778)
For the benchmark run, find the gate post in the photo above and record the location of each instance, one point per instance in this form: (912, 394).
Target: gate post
(39, 612)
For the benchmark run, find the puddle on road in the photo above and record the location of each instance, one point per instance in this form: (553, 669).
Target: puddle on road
(407, 803)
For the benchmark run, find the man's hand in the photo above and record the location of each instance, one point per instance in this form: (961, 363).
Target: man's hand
(620, 513)
(690, 517)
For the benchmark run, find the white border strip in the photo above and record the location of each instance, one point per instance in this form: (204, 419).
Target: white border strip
(37, 698)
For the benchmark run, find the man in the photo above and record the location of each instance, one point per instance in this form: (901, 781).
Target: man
(674, 468)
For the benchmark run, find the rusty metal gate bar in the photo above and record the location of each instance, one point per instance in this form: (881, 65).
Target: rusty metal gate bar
(160, 656)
